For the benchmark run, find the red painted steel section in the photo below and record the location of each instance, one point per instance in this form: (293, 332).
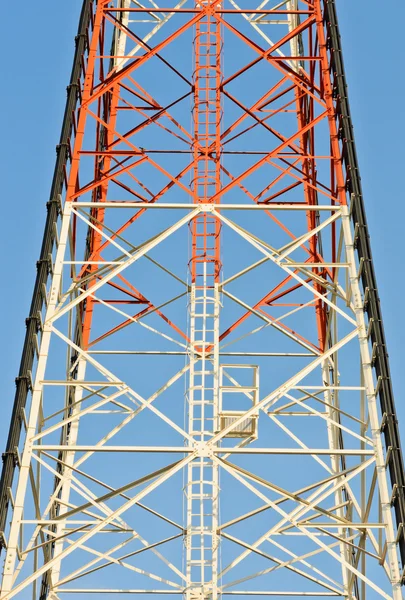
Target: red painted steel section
(294, 156)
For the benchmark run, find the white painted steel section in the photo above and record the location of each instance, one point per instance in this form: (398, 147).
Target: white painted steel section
(202, 485)
(342, 523)
(367, 374)
(70, 433)
(11, 553)
(205, 457)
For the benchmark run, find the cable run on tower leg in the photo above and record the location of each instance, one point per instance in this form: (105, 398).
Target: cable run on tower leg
(204, 406)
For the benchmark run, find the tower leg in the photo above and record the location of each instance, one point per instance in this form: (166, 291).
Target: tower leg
(129, 502)
(385, 500)
(11, 553)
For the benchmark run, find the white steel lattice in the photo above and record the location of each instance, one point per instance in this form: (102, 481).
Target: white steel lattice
(222, 440)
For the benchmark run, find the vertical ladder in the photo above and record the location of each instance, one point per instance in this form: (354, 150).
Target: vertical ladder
(203, 391)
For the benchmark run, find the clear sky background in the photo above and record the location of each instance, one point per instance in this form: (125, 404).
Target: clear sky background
(38, 47)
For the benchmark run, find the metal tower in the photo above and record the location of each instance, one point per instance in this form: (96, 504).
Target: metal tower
(204, 406)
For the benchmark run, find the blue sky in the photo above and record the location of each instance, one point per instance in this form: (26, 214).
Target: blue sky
(35, 77)
(33, 103)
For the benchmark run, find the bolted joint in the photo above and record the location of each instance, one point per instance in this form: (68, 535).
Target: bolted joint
(204, 450)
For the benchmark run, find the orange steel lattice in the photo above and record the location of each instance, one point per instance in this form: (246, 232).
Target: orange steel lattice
(204, 406)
